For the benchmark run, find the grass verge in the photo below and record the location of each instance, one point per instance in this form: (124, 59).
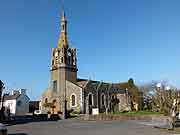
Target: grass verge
(136, 113)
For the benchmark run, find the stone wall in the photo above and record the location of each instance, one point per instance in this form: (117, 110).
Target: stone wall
(73, 89)
(124, 104)
(89, 90)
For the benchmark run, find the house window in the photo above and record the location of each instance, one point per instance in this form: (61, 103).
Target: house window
(73, 98)
(19, 103)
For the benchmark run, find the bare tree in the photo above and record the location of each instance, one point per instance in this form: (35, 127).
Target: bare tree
(147, 95)
(2, 109)
(159, 96)
(1, 89)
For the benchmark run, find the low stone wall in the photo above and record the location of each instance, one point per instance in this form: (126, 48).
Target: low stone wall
(153, 120)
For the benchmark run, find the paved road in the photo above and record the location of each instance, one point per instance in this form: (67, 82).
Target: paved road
(77, 127)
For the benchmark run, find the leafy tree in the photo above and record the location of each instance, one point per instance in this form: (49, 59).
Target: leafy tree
(131, 82)
(135, 93)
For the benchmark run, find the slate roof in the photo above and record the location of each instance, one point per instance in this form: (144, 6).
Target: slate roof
(123, 85)
(11, 97)
(116, 87)
(81, 82)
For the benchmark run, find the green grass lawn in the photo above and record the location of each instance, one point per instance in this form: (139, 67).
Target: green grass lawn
(136, 113)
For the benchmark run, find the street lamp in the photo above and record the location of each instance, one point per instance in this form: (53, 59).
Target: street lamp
(158, 85)
(167, 88)
(127, 97)
(158, 88)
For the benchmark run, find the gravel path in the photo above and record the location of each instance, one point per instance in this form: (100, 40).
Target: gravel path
(77, 127)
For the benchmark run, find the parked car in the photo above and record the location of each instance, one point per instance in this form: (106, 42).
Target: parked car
(37, 112)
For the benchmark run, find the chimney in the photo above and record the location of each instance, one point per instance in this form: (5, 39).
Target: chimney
(22, 91)
(14, 92)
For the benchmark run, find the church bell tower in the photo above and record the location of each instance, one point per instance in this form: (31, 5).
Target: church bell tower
(63, 63)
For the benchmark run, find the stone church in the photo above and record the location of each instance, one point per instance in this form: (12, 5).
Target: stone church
(79, 95)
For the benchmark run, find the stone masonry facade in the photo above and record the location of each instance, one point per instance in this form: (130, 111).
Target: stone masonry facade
(81, 95)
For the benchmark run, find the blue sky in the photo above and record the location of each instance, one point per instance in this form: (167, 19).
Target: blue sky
(115, 40)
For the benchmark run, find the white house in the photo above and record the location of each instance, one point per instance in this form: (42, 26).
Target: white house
(17, 102)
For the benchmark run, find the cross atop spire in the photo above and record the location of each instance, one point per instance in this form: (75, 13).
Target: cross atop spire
(63, 40)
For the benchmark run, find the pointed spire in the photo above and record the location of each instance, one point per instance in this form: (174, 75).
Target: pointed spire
(63, 41)
(63, 15)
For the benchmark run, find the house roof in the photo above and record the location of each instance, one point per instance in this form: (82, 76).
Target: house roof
(11, 97)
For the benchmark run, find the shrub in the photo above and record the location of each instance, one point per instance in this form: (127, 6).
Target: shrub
(59, 112)
(69, 112)
(54, 117)
(75, 112)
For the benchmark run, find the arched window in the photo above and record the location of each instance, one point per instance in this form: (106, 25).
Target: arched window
(63, 27)
(55, 86)
(103, 99)
(46, 100)
(73, 100)
(54, 101)
(113, 97)
(90, 99)
(62, 60)
(52, 62)
(56, 60)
